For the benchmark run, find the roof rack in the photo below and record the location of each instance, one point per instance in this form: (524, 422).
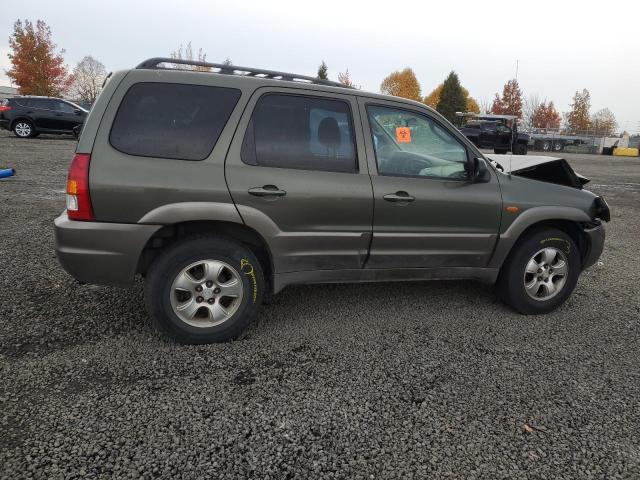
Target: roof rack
(153, 63)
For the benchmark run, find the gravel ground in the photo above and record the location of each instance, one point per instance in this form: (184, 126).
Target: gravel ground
(345, 381)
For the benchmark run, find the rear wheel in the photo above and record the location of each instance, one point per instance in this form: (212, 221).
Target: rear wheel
(204, 290)
(540, 273)
(23, 129)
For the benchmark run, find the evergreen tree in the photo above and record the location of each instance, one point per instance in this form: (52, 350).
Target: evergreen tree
(452, 98)
(323, 71)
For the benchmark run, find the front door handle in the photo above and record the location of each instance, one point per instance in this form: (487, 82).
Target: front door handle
(400, 196)
(267, 191)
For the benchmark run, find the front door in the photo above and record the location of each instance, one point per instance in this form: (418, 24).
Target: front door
(297, 172)
(427, 211)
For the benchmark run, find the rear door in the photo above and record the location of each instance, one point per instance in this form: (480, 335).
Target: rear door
(44, 115)
(297, 173)
(427, 212)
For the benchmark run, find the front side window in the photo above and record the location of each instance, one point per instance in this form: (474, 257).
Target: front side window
(64, 107)
(300, 132)
(411, 144)
(170, 120)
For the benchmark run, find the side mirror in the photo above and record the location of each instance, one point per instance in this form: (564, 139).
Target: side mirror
(479, 171)
(77, 111)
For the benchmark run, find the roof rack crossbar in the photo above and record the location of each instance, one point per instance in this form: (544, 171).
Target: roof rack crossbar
(153, 63)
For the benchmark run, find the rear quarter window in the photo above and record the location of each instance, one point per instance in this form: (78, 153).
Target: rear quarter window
(168, 120)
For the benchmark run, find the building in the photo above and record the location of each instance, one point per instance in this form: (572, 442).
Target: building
(7, 92)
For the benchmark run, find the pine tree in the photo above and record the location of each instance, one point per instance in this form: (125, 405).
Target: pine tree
(452, 98)
(323, 71)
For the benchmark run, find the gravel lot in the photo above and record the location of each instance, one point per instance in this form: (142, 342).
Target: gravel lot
(344, 381)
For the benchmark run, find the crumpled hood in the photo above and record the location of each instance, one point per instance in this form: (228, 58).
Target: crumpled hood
(537, 167)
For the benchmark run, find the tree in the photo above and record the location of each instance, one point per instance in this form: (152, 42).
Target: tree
(36, 68)
(451, 98)
(345, 79)
(545, 116)
(186, 53)
(604, 122)
(227, 62)
(402, 84)
(529, 106)
(434, 97)
(88, 76)
(578, 117)
(510, 103)
(323, 71)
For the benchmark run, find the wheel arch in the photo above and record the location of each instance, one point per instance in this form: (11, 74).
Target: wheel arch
(22, 117)
(170, 234)
(566, 219)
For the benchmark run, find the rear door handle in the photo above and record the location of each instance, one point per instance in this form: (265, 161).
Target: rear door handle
(267, 191)
(399, 197)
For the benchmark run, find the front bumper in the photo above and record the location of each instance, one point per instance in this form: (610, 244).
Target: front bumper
(595, 236)
(98, 252)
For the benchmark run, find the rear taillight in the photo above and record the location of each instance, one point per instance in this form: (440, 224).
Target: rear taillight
(78, 199)
(4, 108)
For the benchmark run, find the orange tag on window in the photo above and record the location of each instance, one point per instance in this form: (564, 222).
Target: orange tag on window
(403, 135)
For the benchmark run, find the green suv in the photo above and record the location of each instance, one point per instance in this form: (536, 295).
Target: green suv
(221, 185)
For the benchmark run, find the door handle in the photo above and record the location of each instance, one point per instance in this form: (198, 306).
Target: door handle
(267, 191)
(399, 197)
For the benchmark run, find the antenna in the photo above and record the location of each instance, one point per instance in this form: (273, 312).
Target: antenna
(515, 120)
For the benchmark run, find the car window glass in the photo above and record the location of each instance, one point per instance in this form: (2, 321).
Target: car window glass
(64, 107)
(408, 143)
(25, 102)
(300, 132)
(168, 120)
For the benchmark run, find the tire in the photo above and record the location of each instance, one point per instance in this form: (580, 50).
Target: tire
(557, 147)
(23, 129)
(500, 151)
(523, 291)
(520, 149)
(546, 145)
(192, 316)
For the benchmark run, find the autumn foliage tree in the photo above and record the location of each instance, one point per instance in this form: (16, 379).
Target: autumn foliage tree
(578, 117)
(452, 98)
(545, 115)
(402, 84)
(345, 79)
(36, 67)
(510, 103)
(434, 97)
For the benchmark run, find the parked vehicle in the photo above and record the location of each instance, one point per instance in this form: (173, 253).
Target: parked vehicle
(553, 142)
(220, 187)
(29, 116)
(499, 132)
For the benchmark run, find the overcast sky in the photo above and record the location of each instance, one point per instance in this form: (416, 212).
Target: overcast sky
(561, 46)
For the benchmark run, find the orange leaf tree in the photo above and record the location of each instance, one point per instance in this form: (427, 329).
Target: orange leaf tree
(578, 117)
(36, 68)
(510, 103)
(402, 84)
(545, 116)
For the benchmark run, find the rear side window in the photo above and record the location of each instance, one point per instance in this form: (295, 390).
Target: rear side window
(300, 132)
(169, 120)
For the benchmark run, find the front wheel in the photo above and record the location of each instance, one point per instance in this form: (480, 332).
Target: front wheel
(540, 273)
(520, 149)
(204, 290)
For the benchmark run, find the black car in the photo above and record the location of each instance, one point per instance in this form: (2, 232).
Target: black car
(499, 132)
(29, 116)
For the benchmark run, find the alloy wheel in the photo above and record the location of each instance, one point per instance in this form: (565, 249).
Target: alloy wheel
(206, 293)
(546, 273)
